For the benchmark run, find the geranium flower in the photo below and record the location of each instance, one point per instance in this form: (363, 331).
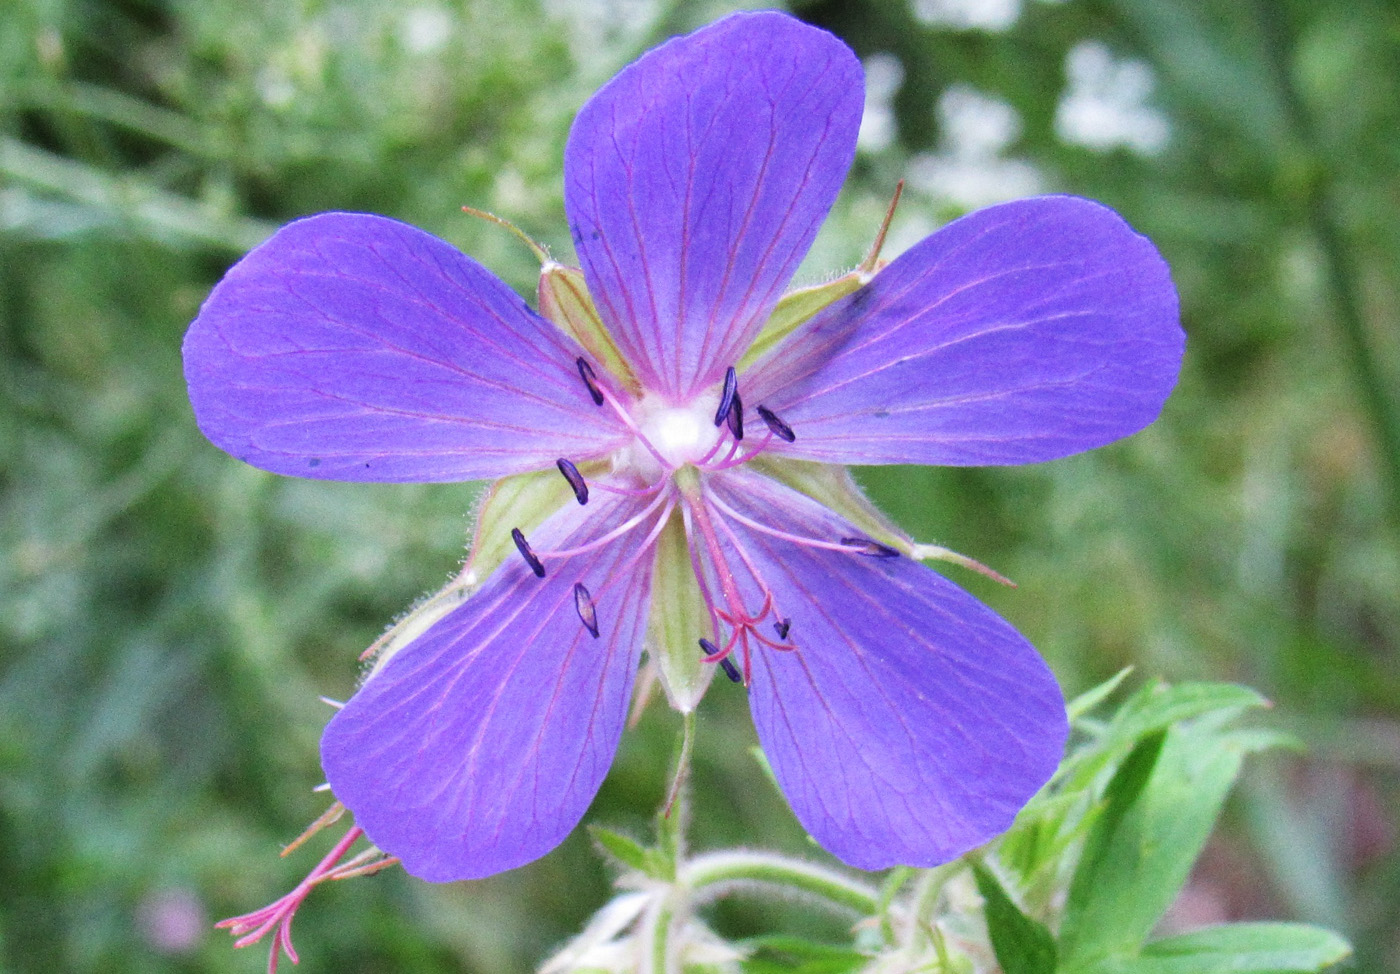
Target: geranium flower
(691, 422)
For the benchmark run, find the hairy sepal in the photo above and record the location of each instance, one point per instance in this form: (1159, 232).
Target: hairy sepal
(678, 620)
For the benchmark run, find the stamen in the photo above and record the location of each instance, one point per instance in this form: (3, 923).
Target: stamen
(530, 557)
(781, 627)
(865, 546)
(736, 417)
(726, 398)
(590, 379)
(252, 927)
(598, 542)
(574, 478)
(587, 612)
(780, 429)
(730, 670)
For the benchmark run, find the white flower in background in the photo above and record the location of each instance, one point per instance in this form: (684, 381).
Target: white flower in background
(1104, 106)
(989, 15)
(605, 30)
(424, 30)
(968, 169)
(883, 75)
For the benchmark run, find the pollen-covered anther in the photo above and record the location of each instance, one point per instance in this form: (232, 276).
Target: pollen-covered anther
(574, 478)
(587, 611)
(527, 552)
(730, 670)
(779, 429)
(873, 549)
(590, 379)
(781, 627)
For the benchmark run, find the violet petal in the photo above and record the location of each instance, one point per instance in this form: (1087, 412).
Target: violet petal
(353, 347)
(1024, 332)
(696, 180)
(480, 745)
(911, 723)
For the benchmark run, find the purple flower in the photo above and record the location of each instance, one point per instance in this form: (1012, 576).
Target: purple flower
(695, 434)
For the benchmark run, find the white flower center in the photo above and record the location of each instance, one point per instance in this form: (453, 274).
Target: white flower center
(679, 434)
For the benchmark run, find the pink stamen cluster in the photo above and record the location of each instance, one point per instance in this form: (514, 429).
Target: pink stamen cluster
(252, 927)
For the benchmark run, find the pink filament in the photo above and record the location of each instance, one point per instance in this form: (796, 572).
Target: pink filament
(252, 927)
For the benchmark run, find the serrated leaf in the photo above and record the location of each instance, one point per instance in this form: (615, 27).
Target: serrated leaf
(1022, 945)
(1238, 948)
(1159, 810)
(626, 850)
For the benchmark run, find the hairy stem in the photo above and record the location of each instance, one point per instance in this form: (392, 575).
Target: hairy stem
(716, 870)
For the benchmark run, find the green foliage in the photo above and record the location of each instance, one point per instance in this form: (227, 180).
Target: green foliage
(1022, 945)
(169, 618)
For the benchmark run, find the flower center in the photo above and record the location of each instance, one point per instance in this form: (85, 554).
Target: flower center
(679, 434)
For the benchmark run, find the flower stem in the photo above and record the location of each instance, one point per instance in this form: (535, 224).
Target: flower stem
(716, 870)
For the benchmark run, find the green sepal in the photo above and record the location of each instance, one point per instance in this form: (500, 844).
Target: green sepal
(678, 620)
(1022, 945)
(1239, 948)
(564, 300)
(796, 307)
(523, 501)
(833, 486)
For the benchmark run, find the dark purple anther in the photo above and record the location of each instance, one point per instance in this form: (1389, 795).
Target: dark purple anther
(574, 478)
(736, 417)
(864, 546)
(780, 429)
(726, 397)
(587, 612)
(531, 559)
(590, 379)
(730, 670)
(781, 627)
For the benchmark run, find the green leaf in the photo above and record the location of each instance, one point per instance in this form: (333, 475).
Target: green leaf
(1151, 709)
(1022, 945)
(624, 849)
(1238, 948)
(779, 954)
(1094, 696)
(1159, 810)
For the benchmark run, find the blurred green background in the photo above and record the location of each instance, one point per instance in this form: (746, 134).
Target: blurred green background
(169, 617)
